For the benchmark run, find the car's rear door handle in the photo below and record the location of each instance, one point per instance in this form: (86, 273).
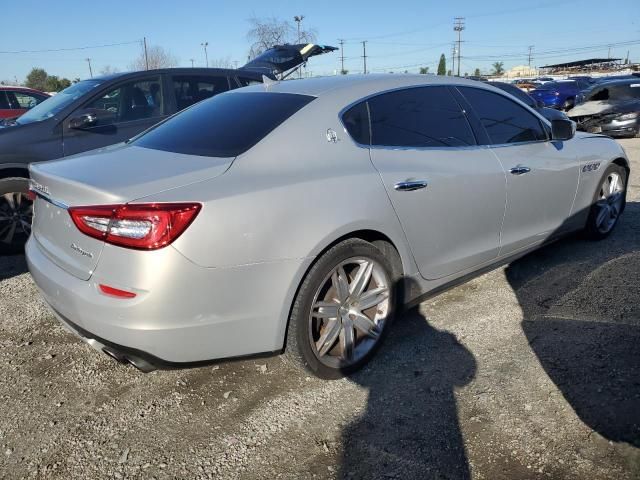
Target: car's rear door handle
(410, 185)
(519, 170)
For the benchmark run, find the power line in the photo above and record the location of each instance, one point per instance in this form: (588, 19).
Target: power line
(73, 48)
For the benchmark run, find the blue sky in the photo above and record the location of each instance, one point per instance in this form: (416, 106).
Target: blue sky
(402, 35)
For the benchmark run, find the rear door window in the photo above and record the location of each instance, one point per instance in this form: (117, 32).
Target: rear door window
(4, 102)
(224, 126)
(419, 117)
(503, 119)
(190, 89)
(130, 101)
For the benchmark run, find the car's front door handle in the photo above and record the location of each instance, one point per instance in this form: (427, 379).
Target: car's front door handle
(519, 170)
(410, 185)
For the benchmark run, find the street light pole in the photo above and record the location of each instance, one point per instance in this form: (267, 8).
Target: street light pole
(298, 19)
(206, 56)
(90, 71)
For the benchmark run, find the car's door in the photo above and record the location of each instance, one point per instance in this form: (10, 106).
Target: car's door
(448, 192)
(190, 89)
(115, 115)
(542, 176)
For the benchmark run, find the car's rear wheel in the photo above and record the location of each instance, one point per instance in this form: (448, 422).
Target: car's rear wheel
(608, 203)
(16, 211)
(342, 311)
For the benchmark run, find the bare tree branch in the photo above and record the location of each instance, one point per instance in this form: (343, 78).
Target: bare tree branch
(265, 33)
(158, 58)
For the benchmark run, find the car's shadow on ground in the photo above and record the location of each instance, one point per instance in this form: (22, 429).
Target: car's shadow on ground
(410, 427)
(12, 265)
(581, 316)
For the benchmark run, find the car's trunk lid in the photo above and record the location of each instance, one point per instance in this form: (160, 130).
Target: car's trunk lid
(114, 175)
(280, 59)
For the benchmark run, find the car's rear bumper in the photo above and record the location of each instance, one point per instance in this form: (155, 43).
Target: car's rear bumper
(183, 314)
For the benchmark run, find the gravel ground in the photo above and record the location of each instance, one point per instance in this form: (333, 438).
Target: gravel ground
(530, 371)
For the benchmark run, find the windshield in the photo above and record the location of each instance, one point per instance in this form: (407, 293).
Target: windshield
(58, 102)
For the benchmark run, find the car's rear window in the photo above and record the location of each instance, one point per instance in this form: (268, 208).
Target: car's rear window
(223, 126)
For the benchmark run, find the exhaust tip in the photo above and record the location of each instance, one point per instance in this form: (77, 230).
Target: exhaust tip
(137, 362)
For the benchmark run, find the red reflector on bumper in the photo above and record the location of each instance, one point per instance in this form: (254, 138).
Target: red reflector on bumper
(114, 292)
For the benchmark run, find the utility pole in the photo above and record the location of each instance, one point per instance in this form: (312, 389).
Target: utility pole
(609, 53)
(453, 59)
(341, 41)
(90, 71)
(206, 55)
(530, 53)
(458, 26)
(146, 56)
(364, 55)
(191, 60)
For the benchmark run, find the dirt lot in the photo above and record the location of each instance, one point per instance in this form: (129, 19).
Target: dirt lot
(530, 371)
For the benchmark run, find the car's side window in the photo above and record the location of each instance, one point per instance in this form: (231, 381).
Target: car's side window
(130, 101)
(193, 89)
(503, 119)
(4, 102)
(246, 81)
(356, 121)
(25, 100)
(419, 117)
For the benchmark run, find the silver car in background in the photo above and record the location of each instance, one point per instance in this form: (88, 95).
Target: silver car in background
(295, 217)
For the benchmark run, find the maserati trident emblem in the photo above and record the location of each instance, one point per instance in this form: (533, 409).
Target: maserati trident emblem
(82, 252)
(332, 136)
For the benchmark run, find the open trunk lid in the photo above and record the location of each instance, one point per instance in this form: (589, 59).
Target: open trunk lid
(114, 175)
(280, 59)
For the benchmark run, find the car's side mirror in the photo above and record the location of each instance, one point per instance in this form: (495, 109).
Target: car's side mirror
(86, 120)
(562, 129)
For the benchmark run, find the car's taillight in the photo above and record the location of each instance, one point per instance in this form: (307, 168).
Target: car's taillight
(143, 226)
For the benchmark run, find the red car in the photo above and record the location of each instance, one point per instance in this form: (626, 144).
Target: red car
(14, 101)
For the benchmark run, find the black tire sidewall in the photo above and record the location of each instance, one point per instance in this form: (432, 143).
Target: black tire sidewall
(298, 344)
(10, 185)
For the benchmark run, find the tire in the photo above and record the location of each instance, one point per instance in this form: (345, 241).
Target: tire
(16, 212)
(568, 104)
(607, 205)
(312, 342)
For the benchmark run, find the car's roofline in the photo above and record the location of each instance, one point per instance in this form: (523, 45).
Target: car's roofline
(176, 70)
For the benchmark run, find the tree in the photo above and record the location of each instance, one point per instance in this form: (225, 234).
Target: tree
(424, 70)
(265, 33)
(476, 72)
(498, 68)
(442, 65)
(108, 70)
(157, 57)
(221, 62)
(37, 78)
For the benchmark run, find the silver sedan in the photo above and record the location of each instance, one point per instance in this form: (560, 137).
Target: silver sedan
(298, 217)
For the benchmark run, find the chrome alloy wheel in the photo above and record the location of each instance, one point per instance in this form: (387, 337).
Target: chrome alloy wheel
(16, 210)
(609, 203)
(349, 312)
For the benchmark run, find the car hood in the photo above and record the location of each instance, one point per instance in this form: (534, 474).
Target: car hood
(121, 173)
(280, 59)
(602, 107)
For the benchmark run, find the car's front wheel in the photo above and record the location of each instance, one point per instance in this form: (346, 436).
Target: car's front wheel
(342, 311)
(16, 211)
(608, 203)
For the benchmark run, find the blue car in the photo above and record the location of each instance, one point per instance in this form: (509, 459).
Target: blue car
(559, 94)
